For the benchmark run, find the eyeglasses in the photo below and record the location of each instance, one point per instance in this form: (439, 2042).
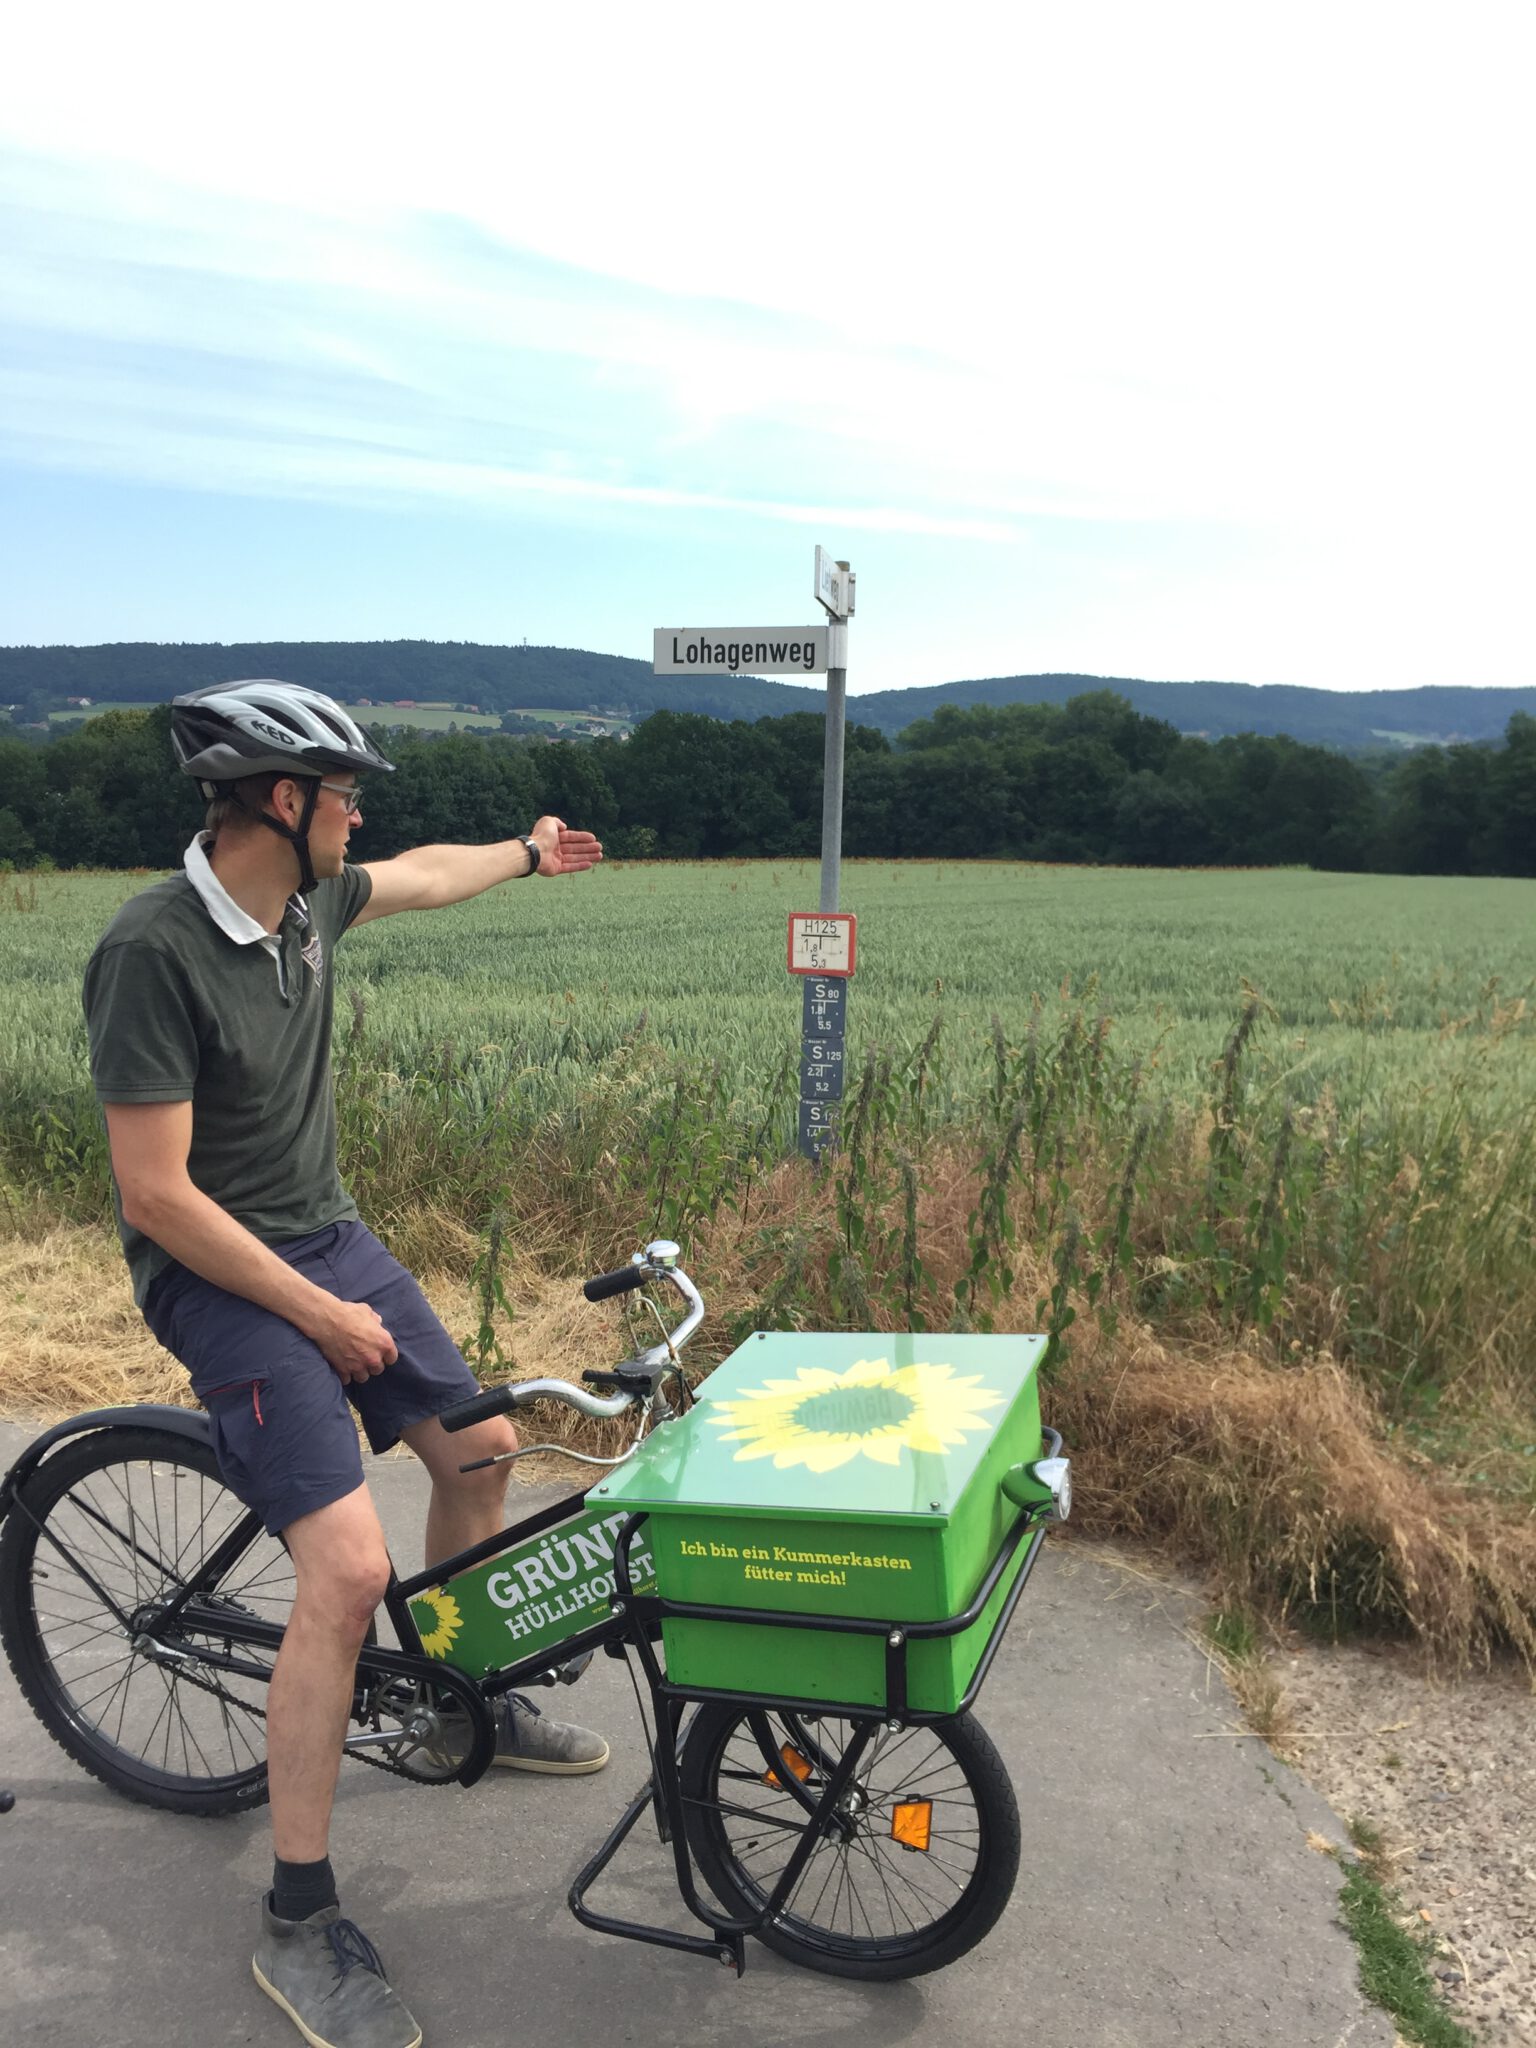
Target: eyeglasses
(350, 791)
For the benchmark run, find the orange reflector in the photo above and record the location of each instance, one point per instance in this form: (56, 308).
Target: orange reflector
(912, 1824)
(798, 1765)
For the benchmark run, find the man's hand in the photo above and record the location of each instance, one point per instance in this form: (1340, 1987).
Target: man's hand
(562, 851)
(353, 1338)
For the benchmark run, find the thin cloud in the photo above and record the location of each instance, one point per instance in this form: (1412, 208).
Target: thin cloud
(145, 306)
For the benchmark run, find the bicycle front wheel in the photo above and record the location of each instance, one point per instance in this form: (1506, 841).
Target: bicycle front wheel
(106, 1532)
(913, 1868)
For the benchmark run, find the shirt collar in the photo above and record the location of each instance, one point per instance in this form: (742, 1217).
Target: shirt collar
(232, 921)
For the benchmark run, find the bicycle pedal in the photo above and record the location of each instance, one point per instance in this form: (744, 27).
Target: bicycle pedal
(563, 1674)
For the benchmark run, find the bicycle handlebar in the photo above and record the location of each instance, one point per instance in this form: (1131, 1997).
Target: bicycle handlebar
(657, 1262)
(603, 1286)
(519, 1393)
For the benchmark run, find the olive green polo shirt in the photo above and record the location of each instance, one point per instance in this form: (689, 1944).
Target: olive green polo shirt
(180, 1009)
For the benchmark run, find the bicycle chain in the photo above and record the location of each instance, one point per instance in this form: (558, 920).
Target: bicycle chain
(393, 1767)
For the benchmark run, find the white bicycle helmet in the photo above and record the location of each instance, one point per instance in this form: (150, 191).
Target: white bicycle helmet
(235, 729)
(263, 726)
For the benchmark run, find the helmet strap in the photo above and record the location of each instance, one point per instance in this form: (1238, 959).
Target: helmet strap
(296, 835)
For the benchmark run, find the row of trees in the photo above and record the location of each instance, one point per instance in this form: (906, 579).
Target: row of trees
(1091, 780)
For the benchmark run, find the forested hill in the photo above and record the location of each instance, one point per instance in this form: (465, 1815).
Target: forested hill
(38, 680)
(497, 679)
(1354, 720)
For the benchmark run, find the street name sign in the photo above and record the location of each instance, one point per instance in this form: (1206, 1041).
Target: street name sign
(739, 650)
(834, 585)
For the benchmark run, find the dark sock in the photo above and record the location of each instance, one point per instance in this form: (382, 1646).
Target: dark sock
(300, 1889)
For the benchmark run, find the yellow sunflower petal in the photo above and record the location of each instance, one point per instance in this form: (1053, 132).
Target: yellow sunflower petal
(884, 1450)
(822, 1457)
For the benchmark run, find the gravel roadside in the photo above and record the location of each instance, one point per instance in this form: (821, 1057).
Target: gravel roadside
(1447, 1773)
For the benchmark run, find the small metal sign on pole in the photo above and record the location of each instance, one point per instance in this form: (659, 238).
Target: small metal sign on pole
(821, 943)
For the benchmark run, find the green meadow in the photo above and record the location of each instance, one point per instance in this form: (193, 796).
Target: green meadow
(1256, 1149)
(1370, 984)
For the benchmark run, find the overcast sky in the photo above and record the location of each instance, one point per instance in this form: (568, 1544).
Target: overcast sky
(1177, 342)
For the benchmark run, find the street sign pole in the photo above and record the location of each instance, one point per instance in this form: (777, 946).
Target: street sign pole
(835, 583)
(832, 773)
(824, 1005)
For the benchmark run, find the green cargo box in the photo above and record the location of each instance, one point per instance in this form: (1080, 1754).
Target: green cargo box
(858, 1476)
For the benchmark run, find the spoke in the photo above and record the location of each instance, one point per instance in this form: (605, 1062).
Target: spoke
(113, 1687)
(829, 1872)
(232, 1730)
(188, 1735)
(878, 1866)
(80, 1678)
(896, 1864)
(147, 1745)
(123, 1488)
(88, 1544)
(52, 1626)
(856, 1898)
(934, 1908)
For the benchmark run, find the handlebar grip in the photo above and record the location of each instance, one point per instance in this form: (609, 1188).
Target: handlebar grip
(605, 1285)
(464, 1414)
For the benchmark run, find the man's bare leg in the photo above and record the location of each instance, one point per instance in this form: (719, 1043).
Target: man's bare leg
(466, 1507)
(319, 1973)
(342, 1568)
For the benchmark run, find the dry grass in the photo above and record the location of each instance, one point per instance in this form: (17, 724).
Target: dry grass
(1281, 1480)
(70, 1336)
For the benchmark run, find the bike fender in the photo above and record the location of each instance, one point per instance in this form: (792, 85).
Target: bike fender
(190, 1423)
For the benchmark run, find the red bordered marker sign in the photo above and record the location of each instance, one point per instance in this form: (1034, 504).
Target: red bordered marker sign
(822, 942)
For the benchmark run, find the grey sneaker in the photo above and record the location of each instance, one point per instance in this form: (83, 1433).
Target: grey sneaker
(326, 1975)
(527, 1740)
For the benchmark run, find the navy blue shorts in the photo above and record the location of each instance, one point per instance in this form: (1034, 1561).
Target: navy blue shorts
(282, 1425)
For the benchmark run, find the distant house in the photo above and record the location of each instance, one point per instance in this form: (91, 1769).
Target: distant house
(366, 702)
(81, 701)
(405, 703)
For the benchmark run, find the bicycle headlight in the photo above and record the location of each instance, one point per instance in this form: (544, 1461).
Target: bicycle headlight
(1055, 1475)
(1044, 1484)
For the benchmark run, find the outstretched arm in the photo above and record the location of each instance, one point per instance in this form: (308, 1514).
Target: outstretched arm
(428, 877)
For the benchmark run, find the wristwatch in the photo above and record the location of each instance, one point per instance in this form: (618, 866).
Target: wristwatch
(533, 852)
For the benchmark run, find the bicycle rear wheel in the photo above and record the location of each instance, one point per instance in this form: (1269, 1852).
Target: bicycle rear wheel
(918, 1861)
(109, 1529)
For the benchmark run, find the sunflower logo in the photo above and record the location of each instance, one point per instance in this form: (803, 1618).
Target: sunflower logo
(437, 1617)
(823, 1419)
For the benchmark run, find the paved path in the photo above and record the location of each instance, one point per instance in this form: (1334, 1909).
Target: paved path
(1171, 1898)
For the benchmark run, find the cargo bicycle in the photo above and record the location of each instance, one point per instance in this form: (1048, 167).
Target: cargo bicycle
(804, 1664)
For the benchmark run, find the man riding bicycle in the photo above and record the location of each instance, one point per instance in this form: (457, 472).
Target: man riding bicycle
(209, 1003)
